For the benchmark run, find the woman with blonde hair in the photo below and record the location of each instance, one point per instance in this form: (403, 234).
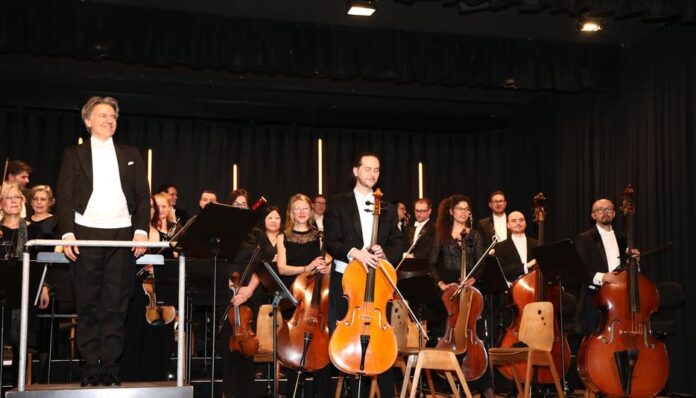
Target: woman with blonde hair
(42, 223)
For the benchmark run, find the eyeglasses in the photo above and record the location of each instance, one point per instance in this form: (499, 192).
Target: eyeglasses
(422, 211)
(497, 202)
(457, 208)
(15, 197)
(239, 205)
(603, 210)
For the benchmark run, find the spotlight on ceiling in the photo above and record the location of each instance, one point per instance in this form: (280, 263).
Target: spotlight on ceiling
(363, 8)
(587, 23)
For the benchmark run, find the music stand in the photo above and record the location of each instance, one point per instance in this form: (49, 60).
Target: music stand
(217, 231)
(556, 261)
(272, 283)
(491, 278)
(422, 294)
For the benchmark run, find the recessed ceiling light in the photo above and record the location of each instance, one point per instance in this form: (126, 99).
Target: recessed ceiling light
(363, 8)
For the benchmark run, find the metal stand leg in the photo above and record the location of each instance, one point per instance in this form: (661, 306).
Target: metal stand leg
(276, 301)
(50, 336)
(2, 345)
(214, 327)
(564, 382)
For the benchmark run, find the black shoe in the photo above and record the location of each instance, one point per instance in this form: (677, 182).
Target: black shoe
(111, 380)
(90, 379)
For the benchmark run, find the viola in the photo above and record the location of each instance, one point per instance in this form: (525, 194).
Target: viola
(155, 314)
(364, 342)
(303, 341)
(532, 288)
(622, 358)
(242, 338)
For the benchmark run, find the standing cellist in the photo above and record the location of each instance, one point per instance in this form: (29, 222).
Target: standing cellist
(348, 229)
(602, 250)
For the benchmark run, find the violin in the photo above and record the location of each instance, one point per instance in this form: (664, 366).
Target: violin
(464, 307)
(364, 342)
(242, 338)
(155, 314)
(622, 358)
(303, 341)
(532, 288)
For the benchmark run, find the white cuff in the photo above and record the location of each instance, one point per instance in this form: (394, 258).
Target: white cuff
(597, 280)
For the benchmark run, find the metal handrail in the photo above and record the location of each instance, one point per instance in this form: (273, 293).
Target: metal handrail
(22, 368)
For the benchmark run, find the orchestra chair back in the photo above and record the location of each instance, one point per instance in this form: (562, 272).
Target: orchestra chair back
(536, 331)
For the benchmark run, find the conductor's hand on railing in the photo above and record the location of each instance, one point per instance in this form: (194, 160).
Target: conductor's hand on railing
(71, 252)
(139, 251)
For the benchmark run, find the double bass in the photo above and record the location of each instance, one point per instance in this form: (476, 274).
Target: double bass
(623, 359)
(532, 288)
(464, 307)
(303, 341)
(364, 342)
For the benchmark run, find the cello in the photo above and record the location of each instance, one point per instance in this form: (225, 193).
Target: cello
(364, 342)
(303, 341)
(623, 359)
(464, 307)
(533, 288)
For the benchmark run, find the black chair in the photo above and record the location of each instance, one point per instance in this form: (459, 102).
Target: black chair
(663, 323)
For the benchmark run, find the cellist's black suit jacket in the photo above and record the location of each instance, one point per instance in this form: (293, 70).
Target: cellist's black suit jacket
(342, 229)
(591, 250)
(510, 260)
(425, 242)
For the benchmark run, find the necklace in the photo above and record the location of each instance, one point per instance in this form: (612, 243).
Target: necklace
(9, 245)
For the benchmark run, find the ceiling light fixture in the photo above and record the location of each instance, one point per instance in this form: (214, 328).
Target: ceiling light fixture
(363, 8)
(589, 24)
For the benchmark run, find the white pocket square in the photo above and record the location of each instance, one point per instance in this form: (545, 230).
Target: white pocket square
(131, 163)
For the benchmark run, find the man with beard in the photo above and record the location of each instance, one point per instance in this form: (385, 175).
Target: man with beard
(348, 231)
(496, 224)
(602, 250)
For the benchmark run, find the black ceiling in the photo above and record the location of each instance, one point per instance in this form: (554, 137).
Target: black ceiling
(426, 16)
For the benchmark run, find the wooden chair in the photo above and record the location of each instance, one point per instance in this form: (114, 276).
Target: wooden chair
(434, 359)
(536, 331)
(264, 332)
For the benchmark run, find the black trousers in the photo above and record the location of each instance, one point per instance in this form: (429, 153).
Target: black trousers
(103, 280)
(338, 307)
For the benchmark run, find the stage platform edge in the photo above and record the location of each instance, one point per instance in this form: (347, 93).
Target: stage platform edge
(126, 390)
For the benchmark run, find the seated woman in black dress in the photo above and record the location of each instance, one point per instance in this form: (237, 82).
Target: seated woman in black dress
(238, 370)
(14, 236)
(42, 223)
(299, 252)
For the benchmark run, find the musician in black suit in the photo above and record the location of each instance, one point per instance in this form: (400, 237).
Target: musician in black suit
(515, 253)
(496, 224)
(348, 231)
(602, 250)
(422, 232)
(102, 194)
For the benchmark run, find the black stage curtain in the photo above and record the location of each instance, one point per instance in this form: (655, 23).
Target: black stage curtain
(642, 133)
(89, 30)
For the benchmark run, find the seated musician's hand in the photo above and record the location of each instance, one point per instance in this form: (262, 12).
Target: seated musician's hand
(610, 278)
(327, 268)
(139, 251)
(378, 251)
(316, 264)
(444, 286)
(469, 282)
(71, 252)
(531, 265)
(45, 298)
(491, 252)
(635, 253)
(243, 294)
(366, 258)
(409, 255)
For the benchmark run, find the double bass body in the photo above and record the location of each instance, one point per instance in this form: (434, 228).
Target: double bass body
(624, 332)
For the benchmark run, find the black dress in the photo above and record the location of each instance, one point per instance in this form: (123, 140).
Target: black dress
(148, 349)
(237, 370)
(301, 248)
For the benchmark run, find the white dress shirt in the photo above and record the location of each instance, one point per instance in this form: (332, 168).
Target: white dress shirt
(366, 217)
(319, 220)
(520, 242)
(107, 207)
(500, 227)
(611, 249)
